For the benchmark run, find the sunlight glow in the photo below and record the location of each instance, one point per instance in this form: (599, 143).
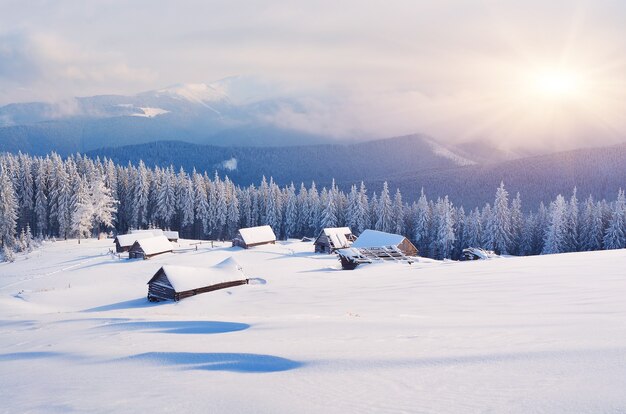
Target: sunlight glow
(557, 84)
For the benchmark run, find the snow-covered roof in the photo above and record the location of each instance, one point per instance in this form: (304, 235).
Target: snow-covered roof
(374, 238)
(154, 232)
(260, 234)
(337, 235)
(127, 240)
(155, 244)
(170, 234)
(183, 278)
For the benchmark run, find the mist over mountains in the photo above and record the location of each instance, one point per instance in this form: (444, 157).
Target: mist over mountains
(229, 127)
(216, 114)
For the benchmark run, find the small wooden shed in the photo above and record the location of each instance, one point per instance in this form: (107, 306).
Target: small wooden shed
(254, 236)
(149, 247)
(123, 242)
(171, 235)
(333, 238)
(179, 282)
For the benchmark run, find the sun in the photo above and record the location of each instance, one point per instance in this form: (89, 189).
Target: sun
(557, 84)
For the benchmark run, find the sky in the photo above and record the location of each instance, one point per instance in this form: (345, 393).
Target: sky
(515, 72)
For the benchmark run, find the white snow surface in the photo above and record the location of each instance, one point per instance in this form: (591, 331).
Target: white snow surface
(155, 244)
(183, 278)
(259, 234)
(444, 152)
(374, 238)
(148, 112)
(543, 334)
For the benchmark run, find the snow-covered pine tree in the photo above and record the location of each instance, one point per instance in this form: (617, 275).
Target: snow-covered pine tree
(187, 205)
(8, 211)
(329, 213)
(555, 237)
(384, 216)
(444, 222)
(422, 224)
(398, 224)
(499, 227)
(141, 192)
(362, 219)
(83, 210)
(41, 198)
(572, 224)
(25, 191)
(291, 213)
(166, 198)
(615, 235)
(591, 230)
(232, 209)
(104, 205)
(486, 217)
(201, 205)
(517, 224)
(473, 229)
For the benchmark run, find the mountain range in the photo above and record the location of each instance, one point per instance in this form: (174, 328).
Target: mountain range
(227, 127)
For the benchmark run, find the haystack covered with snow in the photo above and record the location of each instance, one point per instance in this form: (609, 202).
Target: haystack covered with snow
(178, 282)
(150, 246)
(254, 236)
(333, 238)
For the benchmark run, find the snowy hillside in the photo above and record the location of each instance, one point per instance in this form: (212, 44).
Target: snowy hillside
(523, 335)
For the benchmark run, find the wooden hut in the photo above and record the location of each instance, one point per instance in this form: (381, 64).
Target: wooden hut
(378, 240)
(377, 245)
(123, 242)
(333, 238)
(179, 282)
(149, 247)
(254, 236)
(171, 235)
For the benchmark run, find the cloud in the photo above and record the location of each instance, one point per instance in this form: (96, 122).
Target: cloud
(43, 66)
(230, 164)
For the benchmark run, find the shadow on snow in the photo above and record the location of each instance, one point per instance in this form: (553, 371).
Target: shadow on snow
(180, 327)
(233, 362)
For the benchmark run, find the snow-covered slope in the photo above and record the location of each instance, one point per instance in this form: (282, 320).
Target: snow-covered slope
(522, 335)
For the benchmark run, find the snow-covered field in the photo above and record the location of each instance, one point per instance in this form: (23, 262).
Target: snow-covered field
(538, 334)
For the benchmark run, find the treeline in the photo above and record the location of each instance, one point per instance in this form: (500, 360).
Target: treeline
(80, 197)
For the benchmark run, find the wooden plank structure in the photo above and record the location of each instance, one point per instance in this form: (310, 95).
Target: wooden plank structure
(148, 247)
(333, 238)
(374, 245)
(180, 282)
(254, 236)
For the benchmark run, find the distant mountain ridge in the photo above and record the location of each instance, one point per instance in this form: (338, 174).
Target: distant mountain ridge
(320, 163)
(409, 163)
(197, 113)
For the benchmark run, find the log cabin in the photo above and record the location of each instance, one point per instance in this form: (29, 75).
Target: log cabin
(123, 242)
(149, 247)
(179, 282)
(333, 238)
(254, 236)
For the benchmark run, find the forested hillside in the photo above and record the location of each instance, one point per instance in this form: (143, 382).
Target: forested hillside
(79, 197)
